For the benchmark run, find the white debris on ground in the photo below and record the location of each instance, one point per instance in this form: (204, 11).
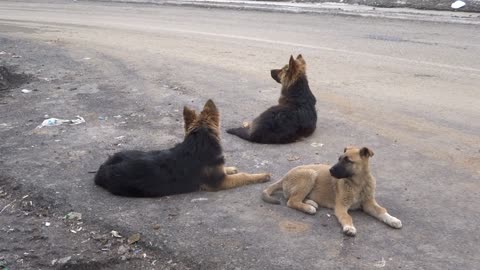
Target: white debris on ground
(380, 264)
(199, 199)
(458, 4)
(56, 122)
(315, 144)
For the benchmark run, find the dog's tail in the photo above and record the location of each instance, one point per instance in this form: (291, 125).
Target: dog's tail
(240, 132)
(267, 193)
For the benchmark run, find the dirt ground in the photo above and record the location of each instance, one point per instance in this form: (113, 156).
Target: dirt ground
(38, 233)
(35, 230)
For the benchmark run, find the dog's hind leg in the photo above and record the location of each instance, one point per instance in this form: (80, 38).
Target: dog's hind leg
(372, 208)
(230, 170)
(303, 181)
(312, 203)
(242, 179)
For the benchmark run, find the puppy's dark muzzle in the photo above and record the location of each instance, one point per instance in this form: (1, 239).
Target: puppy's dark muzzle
(339, 172)
(332, 172)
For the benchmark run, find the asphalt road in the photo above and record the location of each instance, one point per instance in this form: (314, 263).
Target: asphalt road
(407, 89)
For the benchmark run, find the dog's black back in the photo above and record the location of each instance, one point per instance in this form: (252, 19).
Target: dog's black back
(294, 117)
(181, 169)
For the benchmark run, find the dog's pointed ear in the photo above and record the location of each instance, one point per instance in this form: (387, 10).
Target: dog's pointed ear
(210, 111)
(189, 116)
(292, 65)
(300, 58)
(366, 152)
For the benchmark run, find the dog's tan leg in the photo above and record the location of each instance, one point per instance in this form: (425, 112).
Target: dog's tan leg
(297, 188)
(341, 212)
(296, 202)
(241, 179)
(372, 208)
(230, 170)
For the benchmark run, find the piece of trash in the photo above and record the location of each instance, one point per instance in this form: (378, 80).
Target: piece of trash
(26, 91)
(328, 215)
(87, 58)
(73, 231)
(115, 234)
(316, 144)
(64, 260)
(117, 116)
(47, 224)
(16, 56)
(73, 215)
(380, 264)
(199, 199)
(458, 4)
(133, 238)
(102, 118)
(293, 158)
(119, 137)
(56, 122)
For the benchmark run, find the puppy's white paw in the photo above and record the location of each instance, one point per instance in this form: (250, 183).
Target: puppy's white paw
(312, 203)
(310, 209)
(392, 221)
(349, 230)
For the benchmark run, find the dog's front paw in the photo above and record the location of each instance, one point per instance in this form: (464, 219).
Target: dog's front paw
(392, 221)
(266, 177)
(349, 230)
(395, 223)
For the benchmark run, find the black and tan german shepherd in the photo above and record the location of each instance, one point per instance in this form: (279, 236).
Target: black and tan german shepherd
(195, 164)
(295, 115)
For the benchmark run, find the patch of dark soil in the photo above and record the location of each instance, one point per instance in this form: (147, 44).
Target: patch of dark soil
(9, 79)
(35, 233)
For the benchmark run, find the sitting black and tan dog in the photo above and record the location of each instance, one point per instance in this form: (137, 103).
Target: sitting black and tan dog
(348, 185)
(196, 163)
(295, 115)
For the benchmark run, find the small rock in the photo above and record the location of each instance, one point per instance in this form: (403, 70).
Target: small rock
(47, 224)
(156, 226)
(73, 88)
(122, 249)
(26, 91)
(133, 238)
(74, 216)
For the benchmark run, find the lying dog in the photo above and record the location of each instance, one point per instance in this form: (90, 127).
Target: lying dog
(295, 115)
(196, 163)
(346, 185)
